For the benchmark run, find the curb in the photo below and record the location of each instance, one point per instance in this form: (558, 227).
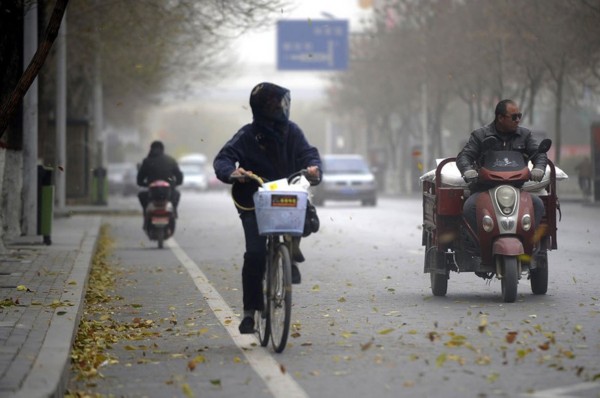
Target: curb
(50, 372)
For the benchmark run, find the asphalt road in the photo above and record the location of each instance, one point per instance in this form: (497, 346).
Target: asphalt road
(364, 320)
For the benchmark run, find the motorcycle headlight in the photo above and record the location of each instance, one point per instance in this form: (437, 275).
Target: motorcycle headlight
(506, 197)
(487, 223)
(526, 222)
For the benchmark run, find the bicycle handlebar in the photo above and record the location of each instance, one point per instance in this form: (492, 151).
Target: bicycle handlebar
(261, 181)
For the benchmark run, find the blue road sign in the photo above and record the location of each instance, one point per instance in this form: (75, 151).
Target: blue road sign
(312, 45)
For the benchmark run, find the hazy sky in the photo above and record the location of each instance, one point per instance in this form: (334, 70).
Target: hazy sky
(257, 51)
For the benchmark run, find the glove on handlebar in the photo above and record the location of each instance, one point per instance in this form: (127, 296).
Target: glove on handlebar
(537, 174)
(470, 176)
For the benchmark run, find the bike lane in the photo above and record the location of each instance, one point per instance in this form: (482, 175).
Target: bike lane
(190, 344)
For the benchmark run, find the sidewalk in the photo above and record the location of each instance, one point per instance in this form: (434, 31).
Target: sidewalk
(42, 289)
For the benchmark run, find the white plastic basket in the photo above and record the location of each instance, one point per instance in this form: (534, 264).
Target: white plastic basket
(280, 212)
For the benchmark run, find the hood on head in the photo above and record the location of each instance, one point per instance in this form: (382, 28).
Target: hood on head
(156, 148)
(270, 102)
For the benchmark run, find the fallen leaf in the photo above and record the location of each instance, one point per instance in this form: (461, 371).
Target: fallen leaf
(511, 336)
(187, 390)
(482, 324)
(366, 346)
(440, 360)
(545, 346)
(386, 331)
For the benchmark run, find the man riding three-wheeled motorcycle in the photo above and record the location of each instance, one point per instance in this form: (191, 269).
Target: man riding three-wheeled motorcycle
(486, 212)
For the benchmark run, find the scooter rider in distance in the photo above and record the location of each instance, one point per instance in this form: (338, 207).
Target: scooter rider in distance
(509, 137)
(158, 166)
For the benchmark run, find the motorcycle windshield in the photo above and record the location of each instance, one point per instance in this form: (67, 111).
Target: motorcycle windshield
(504, 161)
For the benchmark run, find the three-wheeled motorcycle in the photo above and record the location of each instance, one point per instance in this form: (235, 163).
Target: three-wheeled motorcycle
(506, 244)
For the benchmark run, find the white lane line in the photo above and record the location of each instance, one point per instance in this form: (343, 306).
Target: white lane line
(280, 384)
(565, 392)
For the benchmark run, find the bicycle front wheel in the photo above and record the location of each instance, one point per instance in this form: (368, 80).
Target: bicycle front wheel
(261, 317)
(280, 297)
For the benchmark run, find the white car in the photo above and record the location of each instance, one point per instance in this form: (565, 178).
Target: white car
(194, 177)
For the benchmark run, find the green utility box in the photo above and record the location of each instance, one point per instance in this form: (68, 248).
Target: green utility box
(99, 186)
(45, 204)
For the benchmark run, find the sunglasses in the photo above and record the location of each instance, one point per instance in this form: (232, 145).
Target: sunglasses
(515, 116)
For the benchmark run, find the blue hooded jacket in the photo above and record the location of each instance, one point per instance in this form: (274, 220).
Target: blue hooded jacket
(272, 146)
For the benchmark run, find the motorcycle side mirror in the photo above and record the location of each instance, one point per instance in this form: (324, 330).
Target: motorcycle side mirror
(544, 145)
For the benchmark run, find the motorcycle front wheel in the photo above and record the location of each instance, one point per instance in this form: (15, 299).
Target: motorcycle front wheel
(510, 277)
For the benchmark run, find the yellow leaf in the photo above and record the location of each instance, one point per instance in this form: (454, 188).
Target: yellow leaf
(199, 359)
(187, 390)
(483, 324)
(237, 360)
(523, 352)
(341, 300)
(439, 361)
(386, 331)
(492, 377)
(568, 354)
(316, 288)
(22, 288)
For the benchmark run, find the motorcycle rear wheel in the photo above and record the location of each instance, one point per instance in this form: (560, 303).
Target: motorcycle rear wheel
(160, 237)
(510, 277)
(436, 261)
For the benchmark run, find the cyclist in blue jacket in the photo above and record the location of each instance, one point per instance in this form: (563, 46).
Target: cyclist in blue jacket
(273, 147)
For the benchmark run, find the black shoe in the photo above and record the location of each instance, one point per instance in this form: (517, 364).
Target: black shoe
(247, 325)
(298, 257)
(296, 277)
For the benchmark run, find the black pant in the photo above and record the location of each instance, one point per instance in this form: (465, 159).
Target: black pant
(255, 259)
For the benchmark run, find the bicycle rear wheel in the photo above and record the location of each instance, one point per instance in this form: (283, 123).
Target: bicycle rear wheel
(280, 297)
(261, 318)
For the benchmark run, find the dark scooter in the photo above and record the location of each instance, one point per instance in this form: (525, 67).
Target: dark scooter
(160, 214)
(506, 243)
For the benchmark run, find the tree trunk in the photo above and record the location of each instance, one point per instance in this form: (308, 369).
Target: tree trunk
(558, 114)
(10, 106)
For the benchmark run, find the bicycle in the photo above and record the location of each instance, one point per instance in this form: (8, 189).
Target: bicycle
(280, 215)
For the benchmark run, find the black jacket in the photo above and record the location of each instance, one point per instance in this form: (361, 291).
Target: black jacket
(159, 167)
(470, 156)
(268, 158)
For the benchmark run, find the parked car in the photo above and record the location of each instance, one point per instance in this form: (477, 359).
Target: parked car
(346, 177)
(193, 167)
